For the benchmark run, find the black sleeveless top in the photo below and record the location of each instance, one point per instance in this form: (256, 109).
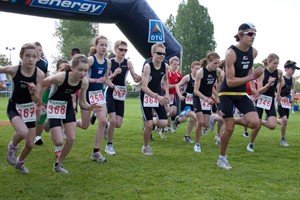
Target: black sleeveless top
(272, 88)
(207, 82)
(120, 79)
(286, 89)
(190, 85)
(156, 77)
(242, 65)
(64, 91)
(20, 92)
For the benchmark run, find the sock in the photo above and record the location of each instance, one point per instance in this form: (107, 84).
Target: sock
(109, 143)
(96, 150)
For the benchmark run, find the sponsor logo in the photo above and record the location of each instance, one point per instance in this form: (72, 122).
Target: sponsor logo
(156, 32)
(78, 6)
(12, 1)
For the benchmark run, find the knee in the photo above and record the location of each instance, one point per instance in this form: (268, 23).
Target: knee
(70, 139)
(58, 142)
(22, 133)
(284, 122)
(118, 125)
(254, 123)
(102, 122)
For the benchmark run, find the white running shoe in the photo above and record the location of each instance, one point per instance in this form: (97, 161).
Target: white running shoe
(250, 147)
(109, 149)
(223, 163)
(60, 169)
(212, 121)
(97, 156)
(284, 143)
(21, 167)
(11, 154)
(146, 150)
(217, 139)
(197, 148)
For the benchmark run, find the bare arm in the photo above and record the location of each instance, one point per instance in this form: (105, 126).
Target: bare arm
(183, 81)
(134, 76)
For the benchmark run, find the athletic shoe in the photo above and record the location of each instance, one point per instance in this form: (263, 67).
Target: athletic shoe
(217, 139)
(188, 139)
(185, 111)
(171, 130)
(109, 149)
(204, 131)
(60, 169)
(146, 150)
(93, 118)
(197, 148)
(21, 167)
(284, 143)
(162, 133)
(97, 156)
(212, 121)
(250, 147)
(175, 123)
(38, 140)
(11, 154)
(246, 134)
(223, 163)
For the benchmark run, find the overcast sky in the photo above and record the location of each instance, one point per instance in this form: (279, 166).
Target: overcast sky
(276, 22)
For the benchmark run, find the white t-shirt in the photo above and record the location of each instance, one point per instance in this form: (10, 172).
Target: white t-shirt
(3, 77)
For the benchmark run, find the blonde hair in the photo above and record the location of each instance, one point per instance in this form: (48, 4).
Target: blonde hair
(174, 58)
(210, 55)
(194, 63)
(156, 45)
(27, 46)
(118, 43)
(96, 40)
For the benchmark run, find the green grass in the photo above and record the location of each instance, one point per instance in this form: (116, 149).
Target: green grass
(173, 172)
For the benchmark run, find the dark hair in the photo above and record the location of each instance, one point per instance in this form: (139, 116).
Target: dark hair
(79, 58)
(61, 61)
(75, 51)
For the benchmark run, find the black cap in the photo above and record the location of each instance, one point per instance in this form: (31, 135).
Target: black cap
(291, 64)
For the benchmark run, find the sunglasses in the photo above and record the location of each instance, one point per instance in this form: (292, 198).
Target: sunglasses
(160, 53)
(121, 49)
(249, 34)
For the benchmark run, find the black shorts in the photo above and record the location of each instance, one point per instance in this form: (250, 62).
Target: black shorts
(198, 107)
(12, 112)
(161, 112)
(283, 112)
(242, 103)
(114, 105)
(70, 116)
(270, 113)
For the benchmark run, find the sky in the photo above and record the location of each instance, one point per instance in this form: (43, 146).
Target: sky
(275, 21)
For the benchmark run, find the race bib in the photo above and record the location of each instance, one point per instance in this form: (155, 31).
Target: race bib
(189, 99)
(171, 99)
(56, 109)
(264, 102)
(205, 105)
(285, 104)
(121, 95)
(96, 97)
(26, 111)
(150, 101)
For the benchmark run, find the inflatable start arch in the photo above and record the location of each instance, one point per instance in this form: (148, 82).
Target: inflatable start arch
(134, 18)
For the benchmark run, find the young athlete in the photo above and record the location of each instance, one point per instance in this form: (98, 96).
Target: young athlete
(22, 108)
(120, 67)
(151, 95)
(60, 109)
(238, 71)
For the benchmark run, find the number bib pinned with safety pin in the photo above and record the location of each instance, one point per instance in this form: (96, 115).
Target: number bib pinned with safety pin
(56, 109)
(189, 99)
(285, 104)
(26, 111)
(264, 102)
(150, 101)
(205, 105)
(96, 97)
(121, 96)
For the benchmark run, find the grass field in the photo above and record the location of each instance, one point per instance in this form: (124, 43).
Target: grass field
(175, 171)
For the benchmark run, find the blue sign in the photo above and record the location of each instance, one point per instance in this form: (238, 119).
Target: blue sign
(156, 32)
(78, 6)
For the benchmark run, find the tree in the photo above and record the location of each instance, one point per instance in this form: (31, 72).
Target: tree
(170, 23)
(77, 34)
(3, 60)
(194, 30)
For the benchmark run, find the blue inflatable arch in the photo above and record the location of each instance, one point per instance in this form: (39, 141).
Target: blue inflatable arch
(135, 18)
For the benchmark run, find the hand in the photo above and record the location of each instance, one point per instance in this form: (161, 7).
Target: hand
(181, 98)
(163, 100)
(258, 72)
(40, 110)
(255, 94)
(101, 80)
(32, 88)
(271, 80)
(137, 78)
(117, 71)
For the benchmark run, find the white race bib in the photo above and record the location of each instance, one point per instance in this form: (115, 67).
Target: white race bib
(96, 97)
(171, 99)
(56, 109)
(27, 111)
(264, 102)
(121, 95)
(285, 104)
(189, 99)
(205, 105)
(150, 101)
